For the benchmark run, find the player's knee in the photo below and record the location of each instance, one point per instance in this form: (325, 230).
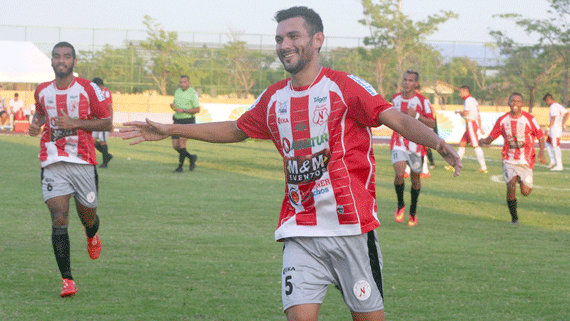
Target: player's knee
(59, 220)
(525, 191)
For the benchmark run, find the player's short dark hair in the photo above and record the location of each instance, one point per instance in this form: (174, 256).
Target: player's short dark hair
(64, 44)
(546, 96)
(312, 19)
(516, 94)
(466, 87)
(184, 76)
(413, 72)
(98, 81)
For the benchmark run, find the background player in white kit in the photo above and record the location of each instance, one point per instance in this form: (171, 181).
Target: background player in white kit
(558, 117)
(519, 129)
(319, 120)
(405, 152)
(70, 108)
(472, 118)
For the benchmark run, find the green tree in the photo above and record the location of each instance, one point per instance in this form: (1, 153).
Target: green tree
(168, 60)
(394, 37)
(553, 33)
(528, 66)
(244, 66)
(122, 69)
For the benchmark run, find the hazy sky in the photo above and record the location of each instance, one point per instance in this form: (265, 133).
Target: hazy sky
(340, 17)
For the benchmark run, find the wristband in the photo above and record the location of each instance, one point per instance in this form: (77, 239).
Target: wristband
(417, 116)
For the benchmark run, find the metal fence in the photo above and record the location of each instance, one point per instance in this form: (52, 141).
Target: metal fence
(95, 39)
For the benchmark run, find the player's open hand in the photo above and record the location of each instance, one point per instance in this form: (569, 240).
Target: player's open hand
(63, 121)
(450, 156)
(144, 131)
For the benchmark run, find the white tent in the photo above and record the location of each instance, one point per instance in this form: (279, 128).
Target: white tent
(23, 62)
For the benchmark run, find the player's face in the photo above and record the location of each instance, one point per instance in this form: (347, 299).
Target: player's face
(184, 83)
(295, 48)
(463, 93)
(516, 103)
(62, 61)
(409, 83)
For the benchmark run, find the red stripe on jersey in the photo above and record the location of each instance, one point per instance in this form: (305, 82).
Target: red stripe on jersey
(301, 138)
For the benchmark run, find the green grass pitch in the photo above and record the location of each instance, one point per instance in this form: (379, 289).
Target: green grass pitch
(199, 245)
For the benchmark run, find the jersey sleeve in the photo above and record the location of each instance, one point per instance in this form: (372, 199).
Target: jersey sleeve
(194, 102)
(40, 110)
(108, 97)
(254, 121)
(497, 131)
(536, 130)
(97, 101)
(363, 102)
(427, 110)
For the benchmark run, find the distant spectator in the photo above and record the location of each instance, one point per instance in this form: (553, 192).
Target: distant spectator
(2, 101)
(15, 105)
(4, 120)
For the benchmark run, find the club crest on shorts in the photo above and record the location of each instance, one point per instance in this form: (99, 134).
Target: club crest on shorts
(362, 290)
(91, 197)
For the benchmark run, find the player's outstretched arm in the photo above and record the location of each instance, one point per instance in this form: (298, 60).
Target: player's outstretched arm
(419, 133)
(215, 132)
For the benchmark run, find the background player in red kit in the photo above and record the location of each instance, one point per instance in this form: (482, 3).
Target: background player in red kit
(410, 102)
(70, 108)
(319, 120)
(519, 129)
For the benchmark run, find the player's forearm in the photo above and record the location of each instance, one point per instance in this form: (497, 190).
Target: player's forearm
(40, 118)
(410, 128)
(215, 132)
(94, 124)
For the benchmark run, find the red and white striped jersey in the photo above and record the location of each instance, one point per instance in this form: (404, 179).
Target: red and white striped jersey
(422, 107)
(323, 133)
(108, 96)
(81, 100)
(519, 134)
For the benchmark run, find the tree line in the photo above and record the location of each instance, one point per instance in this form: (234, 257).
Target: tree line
(396, 44)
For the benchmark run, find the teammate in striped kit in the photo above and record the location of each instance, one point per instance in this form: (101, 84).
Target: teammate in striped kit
(102, 137)
(405, 152)
(70, 108)
(558, 116)
(319, 120)
(519, 129)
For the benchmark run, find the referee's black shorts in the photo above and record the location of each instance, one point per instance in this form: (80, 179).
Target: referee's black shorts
(183, 121)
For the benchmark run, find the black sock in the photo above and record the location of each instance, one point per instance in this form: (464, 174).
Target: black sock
(61, 245)
(181, 156)
(413, 204)
(400, 195)
(91, 231)
(98, 146)
(513, 209)
(105, 150)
